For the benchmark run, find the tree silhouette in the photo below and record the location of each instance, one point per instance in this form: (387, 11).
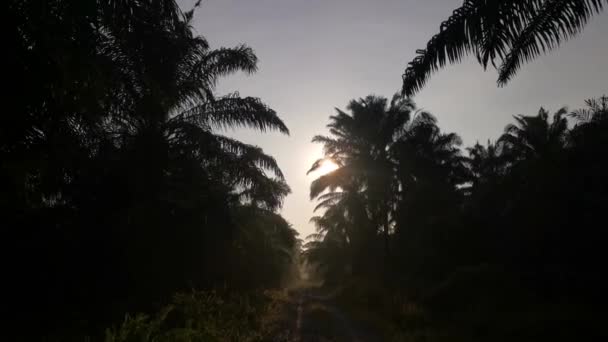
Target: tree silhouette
(119, 188)
(596, 111)
(504, 33)
(389, 155)
(535, 136)
(512, 225)
(360, 147)
(486, 163)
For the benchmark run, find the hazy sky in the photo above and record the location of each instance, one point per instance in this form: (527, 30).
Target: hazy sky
(315, 55)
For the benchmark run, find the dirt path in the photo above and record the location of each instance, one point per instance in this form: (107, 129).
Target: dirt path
(319, 319)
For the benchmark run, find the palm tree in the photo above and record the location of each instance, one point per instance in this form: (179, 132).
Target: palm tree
(265, 242)
(588, 137)
(596, 111)
(423, 153)
(166, 105)
(117, 158)
(360, 145)
(327, 255)
(535, 137)
(346, 217)
(505, 33)
(430, 171)
(166, 119)
(486, 163)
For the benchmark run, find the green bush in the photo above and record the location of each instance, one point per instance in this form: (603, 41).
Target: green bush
(197, 316)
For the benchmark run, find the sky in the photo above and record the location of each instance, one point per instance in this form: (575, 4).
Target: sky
(316, 55)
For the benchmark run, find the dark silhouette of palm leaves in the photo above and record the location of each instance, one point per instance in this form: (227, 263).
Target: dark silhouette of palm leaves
(486, 162)
(510, 32)
(596, 111)
(423, 151)
(173, 95)
(118, 151)
(233, 111)
(381, 148)
(536, 136)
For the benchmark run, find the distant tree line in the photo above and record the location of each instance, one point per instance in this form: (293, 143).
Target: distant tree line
(408, 206)
(117, 187)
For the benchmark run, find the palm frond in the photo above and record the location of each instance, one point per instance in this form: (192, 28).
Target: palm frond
(548, 26)
(226, 61)
(315, 237)
(339, 178)
(597, 110)
(316, 165)
(450, 45)
(329, 199)
(332, 146)
(249, 154)
(262, 190)
(233, 111)
(511, 31)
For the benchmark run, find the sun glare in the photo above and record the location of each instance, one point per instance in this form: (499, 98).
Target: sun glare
(326, 167)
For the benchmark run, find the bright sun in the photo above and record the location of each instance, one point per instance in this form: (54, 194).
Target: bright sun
(326, 167)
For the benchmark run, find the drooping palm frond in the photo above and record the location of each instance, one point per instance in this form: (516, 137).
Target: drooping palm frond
(510, 31)
(209, 66)
(341, 124)
(322, 223)
(233, 111)
(315, 237)
(316, 165)
(552, 23)
(331, 181)
(182, 77)
(225, 61)
(249, 154)
(334, 147)
(265, 191)
(597, 110)
(329, 199)
(244, 168)
(450, 45)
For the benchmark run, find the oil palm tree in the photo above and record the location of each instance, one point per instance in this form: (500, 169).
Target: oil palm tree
(327, 254)
(347, 208)
(265, 242)
(504, 33)
(486, 162)
(360, 145)
(430, 170)
(588, 136)
(596, 111)
(424, 153)
(346, 215)
(166, 105)
(535, 136)
(119, 148)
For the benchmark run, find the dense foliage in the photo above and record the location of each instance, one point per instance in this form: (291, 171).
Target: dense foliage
(117, 187)
(515, 221)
